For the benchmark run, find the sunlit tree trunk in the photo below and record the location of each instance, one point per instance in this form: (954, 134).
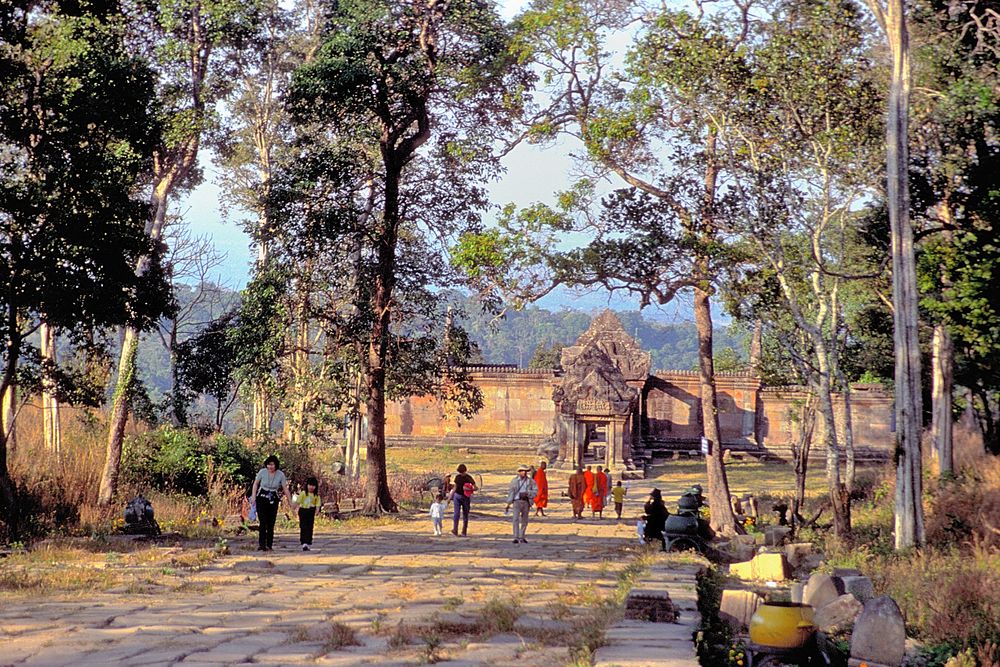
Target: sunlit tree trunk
(52, 432)
(909, 528)
(8, 426)
(118, 417)
(722, 518)
(943, 359)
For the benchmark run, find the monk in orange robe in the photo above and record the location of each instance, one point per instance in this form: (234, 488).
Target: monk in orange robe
(601, 482)
(542, 482)
(588, 492)
(577, 487)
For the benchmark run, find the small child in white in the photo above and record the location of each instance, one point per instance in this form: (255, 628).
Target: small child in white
(437, 512)
(640, 529)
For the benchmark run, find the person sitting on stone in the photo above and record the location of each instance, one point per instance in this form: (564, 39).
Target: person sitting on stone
(520, 493)
(656, 517)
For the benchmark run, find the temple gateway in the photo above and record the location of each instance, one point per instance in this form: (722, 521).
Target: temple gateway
(607, 407)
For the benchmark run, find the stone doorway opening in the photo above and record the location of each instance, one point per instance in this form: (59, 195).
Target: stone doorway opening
(595, 443)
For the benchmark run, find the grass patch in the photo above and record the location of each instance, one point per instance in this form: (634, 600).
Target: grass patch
(339, 635)
(499, 615)
(453, 603)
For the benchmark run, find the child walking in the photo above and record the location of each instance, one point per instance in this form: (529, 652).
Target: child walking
(618, 493)
(437, 512)
(308, 502)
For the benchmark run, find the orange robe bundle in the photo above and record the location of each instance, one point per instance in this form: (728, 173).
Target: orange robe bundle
(542, 497)
(597, 501)
(588, 491)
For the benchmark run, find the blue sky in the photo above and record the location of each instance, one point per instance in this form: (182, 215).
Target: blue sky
(533, 174)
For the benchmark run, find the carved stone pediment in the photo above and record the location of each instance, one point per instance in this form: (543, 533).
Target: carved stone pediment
(593, 385)
(607, 334)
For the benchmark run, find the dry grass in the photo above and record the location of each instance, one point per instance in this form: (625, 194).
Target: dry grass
(339, 635)
(83, 566)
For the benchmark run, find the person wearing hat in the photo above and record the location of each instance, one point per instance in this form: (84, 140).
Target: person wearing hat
(520, 494)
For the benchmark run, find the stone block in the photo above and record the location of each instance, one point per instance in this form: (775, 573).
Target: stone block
(838, 614)
(621, 655)
(821, 589)
(860, 587)
(797, 592)
(796, 553)
(879, 636)
(846, 572)
(775, 535)
(737, 606)
(767, 567)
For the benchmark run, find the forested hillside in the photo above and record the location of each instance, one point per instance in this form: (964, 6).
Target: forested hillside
(515, 338)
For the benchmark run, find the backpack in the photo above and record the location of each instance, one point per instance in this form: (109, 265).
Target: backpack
(139, 510)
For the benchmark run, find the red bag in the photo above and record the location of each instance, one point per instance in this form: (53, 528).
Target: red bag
(468, 489)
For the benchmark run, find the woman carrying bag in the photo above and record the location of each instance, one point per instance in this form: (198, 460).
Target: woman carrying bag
(268, 486)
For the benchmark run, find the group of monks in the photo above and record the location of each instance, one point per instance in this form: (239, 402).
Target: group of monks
(586, 489)
(589, 489)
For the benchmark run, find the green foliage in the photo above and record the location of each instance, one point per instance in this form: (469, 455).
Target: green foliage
(180, 460)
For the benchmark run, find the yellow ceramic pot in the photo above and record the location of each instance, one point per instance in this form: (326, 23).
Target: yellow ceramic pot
(782, 624)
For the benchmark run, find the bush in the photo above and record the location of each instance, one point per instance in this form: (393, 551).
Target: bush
(966, 509)
(170, 459)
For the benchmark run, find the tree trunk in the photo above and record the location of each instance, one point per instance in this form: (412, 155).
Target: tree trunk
(841, 515)
(8, 425)
(801, 453)
(130, 340)
(51, 430)
(756, 346)
(118, 417)
(261, 410)
(8, 510)
(722, 518)
(378, 499)
(851, 472)
(909, 406)
(941, 385)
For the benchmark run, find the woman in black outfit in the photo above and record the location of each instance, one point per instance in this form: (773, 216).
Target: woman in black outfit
(656, 517)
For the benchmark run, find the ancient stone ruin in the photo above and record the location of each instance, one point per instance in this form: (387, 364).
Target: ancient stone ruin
(606, 406)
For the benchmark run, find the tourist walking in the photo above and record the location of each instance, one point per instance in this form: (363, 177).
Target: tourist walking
(308, 502)
(542, 482)
(465, 486)
(437, 512)
(577, 487)
(609, 483)
(520, 493)
(656, 518)
(618, 495)
(268, 486)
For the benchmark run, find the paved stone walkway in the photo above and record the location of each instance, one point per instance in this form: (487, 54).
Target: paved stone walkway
(404, 596)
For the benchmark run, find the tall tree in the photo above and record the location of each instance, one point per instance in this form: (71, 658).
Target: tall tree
(909, 524)
(182, 40)
(800, 151)
(953, 162)
(647, 126)
(389, 77)
(76, 130)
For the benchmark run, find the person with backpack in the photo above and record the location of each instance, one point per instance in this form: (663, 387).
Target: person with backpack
(268, 486)
(465, 486)
(520, 493)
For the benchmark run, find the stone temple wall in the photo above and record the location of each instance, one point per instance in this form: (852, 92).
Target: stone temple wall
(517, 410)
(519, 413)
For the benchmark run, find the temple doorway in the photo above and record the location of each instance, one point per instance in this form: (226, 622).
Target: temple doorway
(595, 443)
